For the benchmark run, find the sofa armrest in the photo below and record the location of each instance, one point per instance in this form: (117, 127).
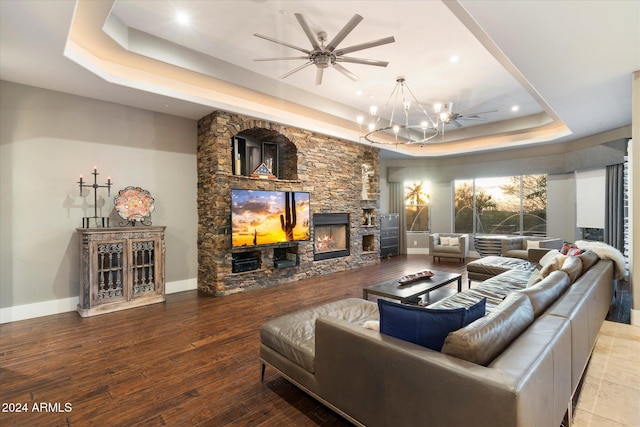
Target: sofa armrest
(552, 243)
(535, 254)
(434, 239)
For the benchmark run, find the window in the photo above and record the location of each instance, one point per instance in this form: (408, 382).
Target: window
(506, 205)
(416, 197)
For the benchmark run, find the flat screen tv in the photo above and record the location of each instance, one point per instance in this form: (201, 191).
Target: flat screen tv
(260, 217)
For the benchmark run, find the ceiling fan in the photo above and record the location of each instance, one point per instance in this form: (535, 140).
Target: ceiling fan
(328, 56)
(448, 116)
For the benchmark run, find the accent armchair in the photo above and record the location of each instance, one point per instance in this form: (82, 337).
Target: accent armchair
(449, 245)
(527, 247)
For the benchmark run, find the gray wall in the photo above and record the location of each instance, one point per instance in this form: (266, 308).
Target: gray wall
(47, 139)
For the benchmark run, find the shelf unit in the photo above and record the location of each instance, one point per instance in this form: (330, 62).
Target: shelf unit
(389, 234)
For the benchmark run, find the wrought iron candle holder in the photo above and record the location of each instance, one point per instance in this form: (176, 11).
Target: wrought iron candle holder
(103, 220)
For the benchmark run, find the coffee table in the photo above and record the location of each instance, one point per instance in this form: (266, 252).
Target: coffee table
(416, 292)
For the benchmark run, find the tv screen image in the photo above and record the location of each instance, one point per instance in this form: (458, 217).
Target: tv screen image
(260, 217)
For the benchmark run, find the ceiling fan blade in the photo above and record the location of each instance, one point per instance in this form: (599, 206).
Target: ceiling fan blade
(307, 30)
(344, 32)
(345, 72)
(482, 112)
(295, 70)
(283, 43)
(319, 74)
(362, 61)
(282, 58)
(366, 45)
(474, 117)
(456, 123)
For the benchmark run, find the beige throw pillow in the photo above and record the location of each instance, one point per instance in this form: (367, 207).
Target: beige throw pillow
(533, 244)
(445, 241)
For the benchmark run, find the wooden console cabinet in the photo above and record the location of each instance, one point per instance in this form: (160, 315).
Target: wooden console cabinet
(120, 268)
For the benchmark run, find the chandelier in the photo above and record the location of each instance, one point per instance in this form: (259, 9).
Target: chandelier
(401, 127)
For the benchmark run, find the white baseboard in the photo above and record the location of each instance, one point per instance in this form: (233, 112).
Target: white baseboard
(46, 308)
(417, 251)
(635, 317)
(38, 309)
(180, 286)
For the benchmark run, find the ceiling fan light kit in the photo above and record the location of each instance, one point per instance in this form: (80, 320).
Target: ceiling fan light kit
(328, 56)
(383, 126)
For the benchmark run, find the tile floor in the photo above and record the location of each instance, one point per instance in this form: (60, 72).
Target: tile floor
(610, 395)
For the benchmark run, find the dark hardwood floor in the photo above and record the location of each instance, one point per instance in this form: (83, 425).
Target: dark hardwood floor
(190, 361)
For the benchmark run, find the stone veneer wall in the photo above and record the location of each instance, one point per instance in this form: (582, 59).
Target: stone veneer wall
(330, 169)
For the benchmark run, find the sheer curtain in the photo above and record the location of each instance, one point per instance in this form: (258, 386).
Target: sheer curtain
(614, 207)
(396, 205)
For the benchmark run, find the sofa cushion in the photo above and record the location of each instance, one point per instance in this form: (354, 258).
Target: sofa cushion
(493, 265)
(483, 340)
(495, 289)
(544, 293)
(425, 326)
(573, 267)
(293, 335)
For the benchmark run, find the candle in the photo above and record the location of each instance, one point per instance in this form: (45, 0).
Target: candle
(95, 169)
(80, 178)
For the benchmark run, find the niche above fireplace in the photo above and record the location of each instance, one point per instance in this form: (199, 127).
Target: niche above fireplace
(331, 236)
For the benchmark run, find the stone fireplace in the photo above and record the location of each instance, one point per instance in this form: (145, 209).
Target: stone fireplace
(331, 236)
(331, 170)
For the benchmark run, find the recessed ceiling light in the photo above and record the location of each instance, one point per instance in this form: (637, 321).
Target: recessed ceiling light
(454, 59)
(515, 108)
(182, 17)
(358, 92)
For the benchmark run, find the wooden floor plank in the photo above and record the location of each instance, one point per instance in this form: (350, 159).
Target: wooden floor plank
(192, 360)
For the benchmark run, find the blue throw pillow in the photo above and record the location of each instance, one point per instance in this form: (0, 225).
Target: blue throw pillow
(427, 327)
(476, 311)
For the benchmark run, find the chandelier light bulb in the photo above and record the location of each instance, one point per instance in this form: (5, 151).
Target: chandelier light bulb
(373, 110)
(360, 120)
(396, 129)
(407, 105)
(437, 107)
(372, 126)
(424, 124)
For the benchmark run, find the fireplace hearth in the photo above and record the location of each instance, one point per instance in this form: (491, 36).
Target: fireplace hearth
(331, 236)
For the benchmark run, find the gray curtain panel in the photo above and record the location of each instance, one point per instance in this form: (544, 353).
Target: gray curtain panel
(614, 207)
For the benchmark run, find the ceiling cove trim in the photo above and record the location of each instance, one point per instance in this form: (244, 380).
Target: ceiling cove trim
(107, 56)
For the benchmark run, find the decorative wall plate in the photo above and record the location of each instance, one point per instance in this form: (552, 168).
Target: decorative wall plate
(134, 204)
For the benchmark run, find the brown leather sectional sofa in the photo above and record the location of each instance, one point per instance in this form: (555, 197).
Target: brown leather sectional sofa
(485, 375)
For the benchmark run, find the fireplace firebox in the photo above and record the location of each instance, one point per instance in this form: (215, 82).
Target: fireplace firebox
(331, 236)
